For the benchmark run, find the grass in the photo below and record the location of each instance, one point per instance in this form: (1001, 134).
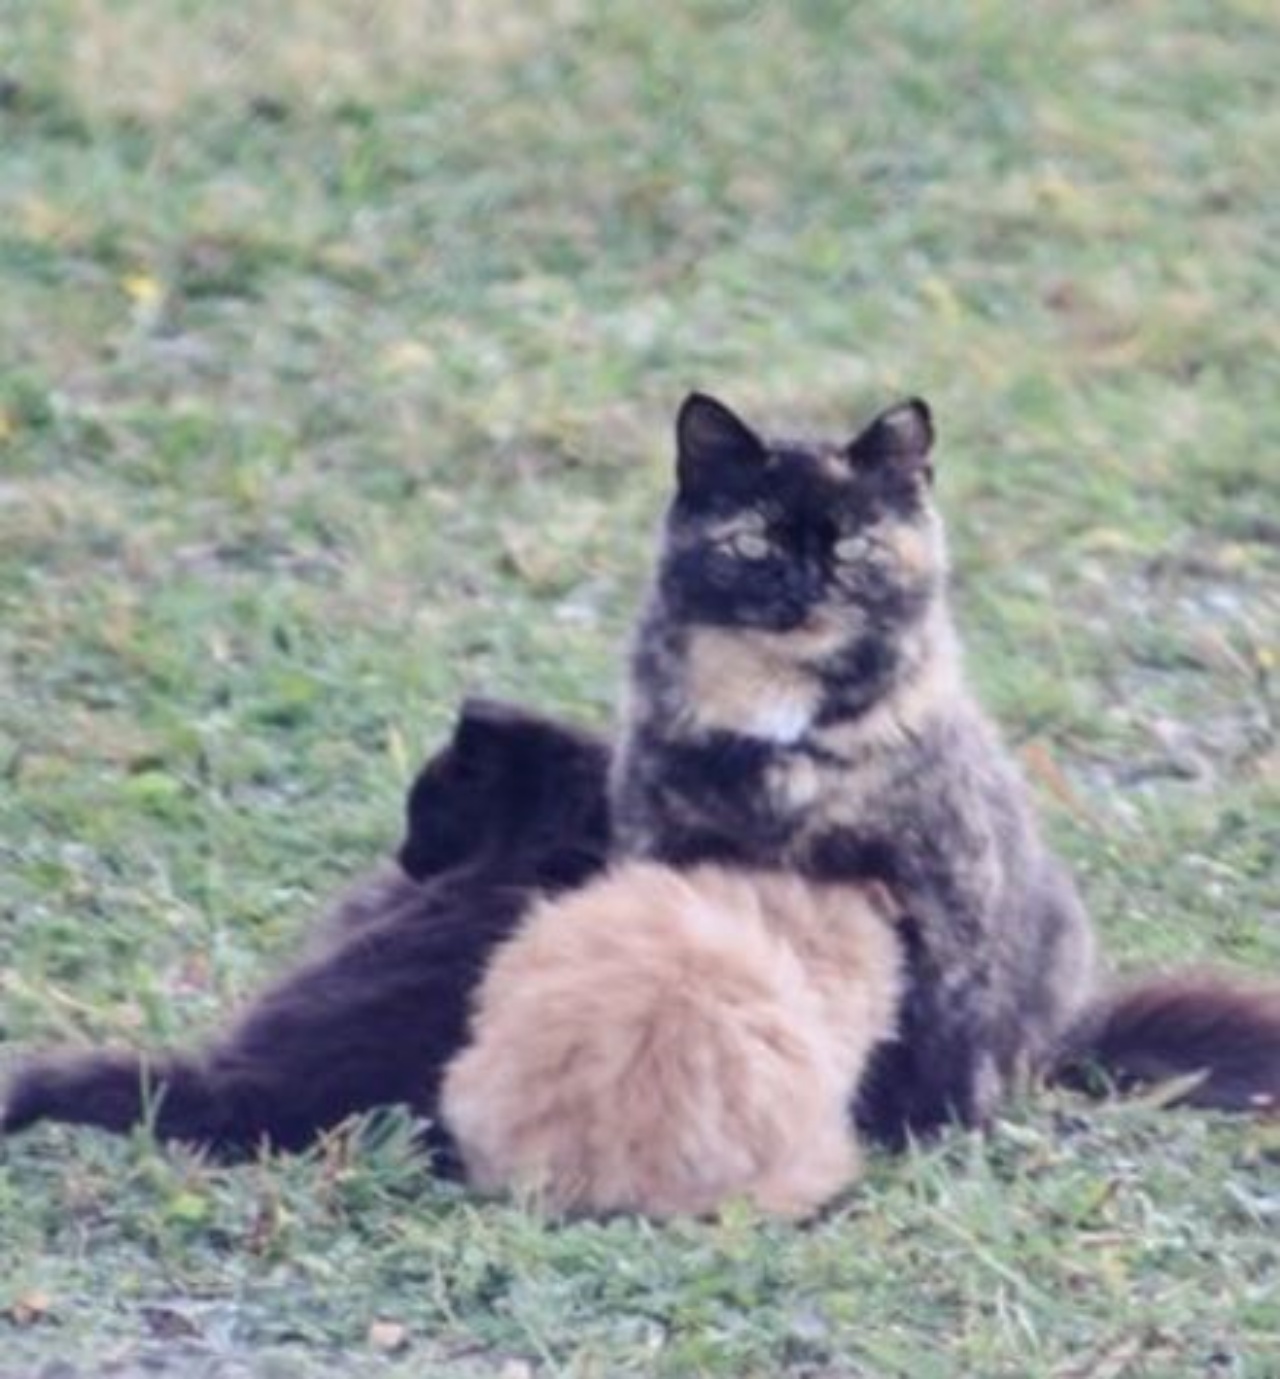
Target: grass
(339, 354)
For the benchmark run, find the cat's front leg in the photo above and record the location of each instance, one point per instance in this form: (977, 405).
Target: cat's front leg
(957, 1035)
(943, 1068)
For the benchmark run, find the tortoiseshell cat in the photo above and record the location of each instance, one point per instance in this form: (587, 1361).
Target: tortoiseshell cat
(693, 1026)
(512, 809)
(797, 702)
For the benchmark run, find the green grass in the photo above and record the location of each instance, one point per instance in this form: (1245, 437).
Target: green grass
(339, 352)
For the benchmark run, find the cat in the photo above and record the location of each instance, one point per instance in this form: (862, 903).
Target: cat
(797, 702)
(512, 808)
(693, 1026)
(516, 806)
(664, 1042)
(379, 1004)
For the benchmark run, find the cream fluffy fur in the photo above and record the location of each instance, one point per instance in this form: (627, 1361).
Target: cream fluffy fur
(662, 1042)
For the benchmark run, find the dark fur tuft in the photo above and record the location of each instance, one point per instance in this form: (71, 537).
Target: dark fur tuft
(1173, 1027)
(114, 1091)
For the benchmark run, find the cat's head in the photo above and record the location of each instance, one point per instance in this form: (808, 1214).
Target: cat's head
(515, 795)
(782, 536)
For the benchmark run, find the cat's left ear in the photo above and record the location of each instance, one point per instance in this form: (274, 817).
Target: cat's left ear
(449, 806)
(715, 450)
(899, 439)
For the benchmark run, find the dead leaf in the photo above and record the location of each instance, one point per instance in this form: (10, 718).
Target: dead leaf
(1169, 1092)
(30, 1307)
(265, 1228)
(169, 1324)
(1044, 770)
(527, 555)
(1113, 1362)
(388, 1336)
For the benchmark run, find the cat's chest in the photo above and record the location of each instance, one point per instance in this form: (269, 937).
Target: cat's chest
(780, 714)
(745, 684)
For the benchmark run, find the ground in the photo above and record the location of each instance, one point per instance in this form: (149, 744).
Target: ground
(340, 348)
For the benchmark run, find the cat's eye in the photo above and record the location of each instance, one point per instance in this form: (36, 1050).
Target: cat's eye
(850, 549)
(750, 545)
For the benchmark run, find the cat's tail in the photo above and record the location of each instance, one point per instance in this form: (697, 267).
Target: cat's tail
(175, 1094)
(1214, 1040)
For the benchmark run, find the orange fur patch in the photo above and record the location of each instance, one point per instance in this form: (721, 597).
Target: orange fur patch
(757, 683)
(663, 1043)
(916, 547)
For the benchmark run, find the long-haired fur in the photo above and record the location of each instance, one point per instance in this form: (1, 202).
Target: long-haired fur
(512, 808)
(661, 1042)
(1174, 1027)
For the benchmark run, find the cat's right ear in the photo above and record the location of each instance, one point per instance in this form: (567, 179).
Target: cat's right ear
(715, 450)
(448, 806)
(484, 729)
(443, 827)
(898, 441)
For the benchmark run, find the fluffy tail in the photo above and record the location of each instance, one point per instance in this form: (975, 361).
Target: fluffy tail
(368, 1023)
(1173, 1028)
(116, 1091)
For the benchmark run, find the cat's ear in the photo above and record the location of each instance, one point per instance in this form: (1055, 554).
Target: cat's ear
(444, 827)
(715, 450)
(484, 729)
(898, 440)
(448, 808)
